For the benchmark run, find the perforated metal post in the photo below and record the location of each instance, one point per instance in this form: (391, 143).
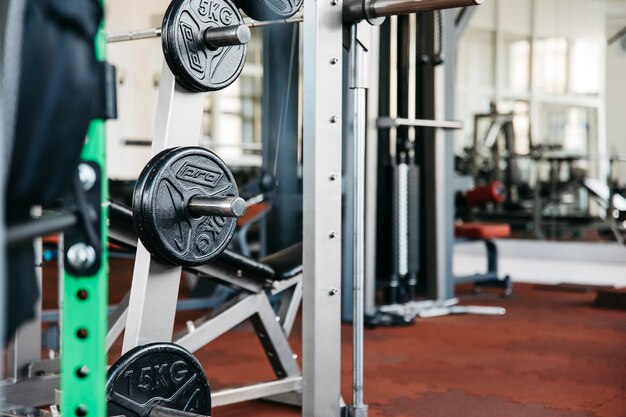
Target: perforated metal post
(322, 208)
(154, 290)
(84, 303)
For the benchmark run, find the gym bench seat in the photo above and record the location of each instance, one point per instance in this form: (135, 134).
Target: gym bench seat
(278, 266)
(484, 232)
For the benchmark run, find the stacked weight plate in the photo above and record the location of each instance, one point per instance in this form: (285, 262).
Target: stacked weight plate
(160, 206)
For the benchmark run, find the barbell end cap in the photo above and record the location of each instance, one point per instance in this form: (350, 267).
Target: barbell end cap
(244, 35)
(238, 207)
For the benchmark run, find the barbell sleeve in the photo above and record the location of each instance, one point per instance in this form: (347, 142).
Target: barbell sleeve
(219, 37)
(353, 11)
(156, 32)
(217, 206)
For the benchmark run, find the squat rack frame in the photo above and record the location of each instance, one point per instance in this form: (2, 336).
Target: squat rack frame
(178, 123)
(85, 298)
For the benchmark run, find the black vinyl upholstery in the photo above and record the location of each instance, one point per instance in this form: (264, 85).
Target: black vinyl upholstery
(287, 263)
(281, 265)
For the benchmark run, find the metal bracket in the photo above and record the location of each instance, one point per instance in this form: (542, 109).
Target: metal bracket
(107, 101)
(82, 252)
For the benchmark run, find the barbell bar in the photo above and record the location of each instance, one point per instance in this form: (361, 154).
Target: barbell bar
(372, 10)
(156, 32)
(353, 10)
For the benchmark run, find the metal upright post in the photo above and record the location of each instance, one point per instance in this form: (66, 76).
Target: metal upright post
(384, 227)
(85, 299)
(358, 74)
(5, 140)
(431, 154)
(154, 290)
(454, 23)
(322, 208)
(371, 180)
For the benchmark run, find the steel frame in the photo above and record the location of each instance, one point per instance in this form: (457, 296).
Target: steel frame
(323, 86)
(272, 330)
(84, 392)
(152, 299)
(253, 303)
(150, 310)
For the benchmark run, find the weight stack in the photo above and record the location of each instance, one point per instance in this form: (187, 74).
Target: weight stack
(393, 285)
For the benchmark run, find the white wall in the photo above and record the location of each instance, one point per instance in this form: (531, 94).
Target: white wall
(616, 93)
(138, 64)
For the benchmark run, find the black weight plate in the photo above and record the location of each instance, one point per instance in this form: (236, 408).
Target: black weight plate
(137, 198)
(176, 235)
(270, 9)
(161, 374)
(195, 66)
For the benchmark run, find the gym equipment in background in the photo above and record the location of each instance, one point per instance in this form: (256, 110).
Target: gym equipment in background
(470, 231)
(415, 234)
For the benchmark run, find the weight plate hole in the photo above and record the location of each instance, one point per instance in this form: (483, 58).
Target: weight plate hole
(81, 411)
(82, 372)
(81, 333)
(82, 294)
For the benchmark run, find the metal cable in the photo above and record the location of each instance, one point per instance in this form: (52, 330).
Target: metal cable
(285, 103)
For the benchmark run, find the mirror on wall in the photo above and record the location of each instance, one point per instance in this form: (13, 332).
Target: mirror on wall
(540, 92)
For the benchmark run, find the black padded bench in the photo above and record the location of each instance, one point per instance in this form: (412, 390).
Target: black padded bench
(278, 266)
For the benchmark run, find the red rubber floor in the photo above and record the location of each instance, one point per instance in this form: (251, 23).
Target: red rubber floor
(552, 355)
